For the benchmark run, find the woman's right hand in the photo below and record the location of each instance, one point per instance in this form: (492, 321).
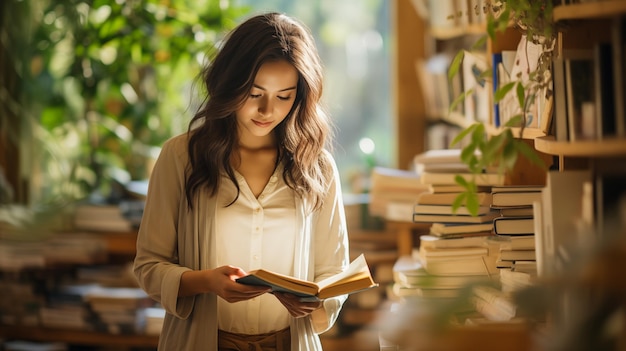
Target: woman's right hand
(220, 281)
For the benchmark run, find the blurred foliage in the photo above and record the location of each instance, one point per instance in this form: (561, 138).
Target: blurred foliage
(105, 83)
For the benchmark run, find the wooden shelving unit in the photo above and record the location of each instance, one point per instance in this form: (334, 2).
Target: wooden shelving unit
(590, 10)
(592, 148)
(78, 337)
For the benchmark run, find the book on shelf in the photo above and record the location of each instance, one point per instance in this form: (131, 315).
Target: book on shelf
(354, 279)
(560, 100)
(390, 187)
(448, 210)
(514, 195)
(511, 280)
(434, 242)
(561, 207)
(518, 242)
(486, 218)
(482, 179)
(409, 271)
(579, 88)
(447, 198)
(477, 105)
(451, 252)
(402, 290)
(516, 255)
(476, 264)
(604, 91)
(455, 188)
(516, 211)
(494, 304)
(446, 229)
(618, 42)
(514, 226)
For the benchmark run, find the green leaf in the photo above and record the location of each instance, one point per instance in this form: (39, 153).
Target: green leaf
(479, 43)
(501, 92)
(521, 96)
(456, 64)
(471, 202)
(458, 201)
(465, 132)
(515, 121)
(458, 100)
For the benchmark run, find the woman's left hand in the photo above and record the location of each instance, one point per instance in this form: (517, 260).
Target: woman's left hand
(296, 307)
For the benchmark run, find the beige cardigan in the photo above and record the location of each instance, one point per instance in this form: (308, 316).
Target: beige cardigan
(173, 239)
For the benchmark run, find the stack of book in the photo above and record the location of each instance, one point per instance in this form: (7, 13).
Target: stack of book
(516, 225)
(440, 167)
(122, 217)
(393, 193)
(119, 310)
(443, 268)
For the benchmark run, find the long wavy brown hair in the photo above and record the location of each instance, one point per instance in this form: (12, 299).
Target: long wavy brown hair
(228, 78)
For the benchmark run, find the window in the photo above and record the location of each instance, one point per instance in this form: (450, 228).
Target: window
(353, 41)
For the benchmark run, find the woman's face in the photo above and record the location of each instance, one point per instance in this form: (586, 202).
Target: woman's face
(269, 101)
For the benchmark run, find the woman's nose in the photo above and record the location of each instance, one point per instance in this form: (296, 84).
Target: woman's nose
(265, 107)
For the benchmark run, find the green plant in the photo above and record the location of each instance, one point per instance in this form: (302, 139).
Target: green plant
(106, 82)
(502, 150)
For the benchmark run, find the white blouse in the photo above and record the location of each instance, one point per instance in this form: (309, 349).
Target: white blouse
(255, 233)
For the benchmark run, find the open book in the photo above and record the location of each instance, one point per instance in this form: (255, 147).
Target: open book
(356, 278)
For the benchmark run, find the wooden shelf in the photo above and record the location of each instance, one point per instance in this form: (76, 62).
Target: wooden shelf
(445, 33)
(121, 243)
(595, 9)
(78, 337)
(592, 148)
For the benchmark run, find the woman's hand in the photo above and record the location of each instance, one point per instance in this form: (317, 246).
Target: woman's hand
(296, 307)
(224, 285)
(220, 281)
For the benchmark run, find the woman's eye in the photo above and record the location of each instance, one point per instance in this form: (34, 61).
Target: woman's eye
(255, 96)
(284, 98)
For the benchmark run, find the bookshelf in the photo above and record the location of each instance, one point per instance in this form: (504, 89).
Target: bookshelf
(581, 26)
(119, 248)
(79, 337)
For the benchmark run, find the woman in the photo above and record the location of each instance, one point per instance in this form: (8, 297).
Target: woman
(250, 185)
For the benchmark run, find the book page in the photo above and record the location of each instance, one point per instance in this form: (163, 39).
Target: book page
(357, 266)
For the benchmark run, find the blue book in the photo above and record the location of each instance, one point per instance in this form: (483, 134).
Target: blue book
(496, 61)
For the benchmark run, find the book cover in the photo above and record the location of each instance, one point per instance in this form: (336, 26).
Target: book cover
(443, 229)
(618, 42)
(354, 279)
(517, 255)
(579, 87)
(486, 218)
(604, 94)
(496, 62)
(451, 252)
(483, 179)
(516, 211)
(514, 226)
(515, 196)
(518, 242)
(484, 198)
(434, 242)
(561, 207)
(560, 100)
(447, 210)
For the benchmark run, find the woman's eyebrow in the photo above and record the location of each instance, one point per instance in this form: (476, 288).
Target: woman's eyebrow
(260, 87)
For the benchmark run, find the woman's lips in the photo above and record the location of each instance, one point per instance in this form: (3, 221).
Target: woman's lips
(262, 124)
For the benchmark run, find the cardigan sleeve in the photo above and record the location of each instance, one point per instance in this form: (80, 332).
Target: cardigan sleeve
(331, 246)
(156, 263)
